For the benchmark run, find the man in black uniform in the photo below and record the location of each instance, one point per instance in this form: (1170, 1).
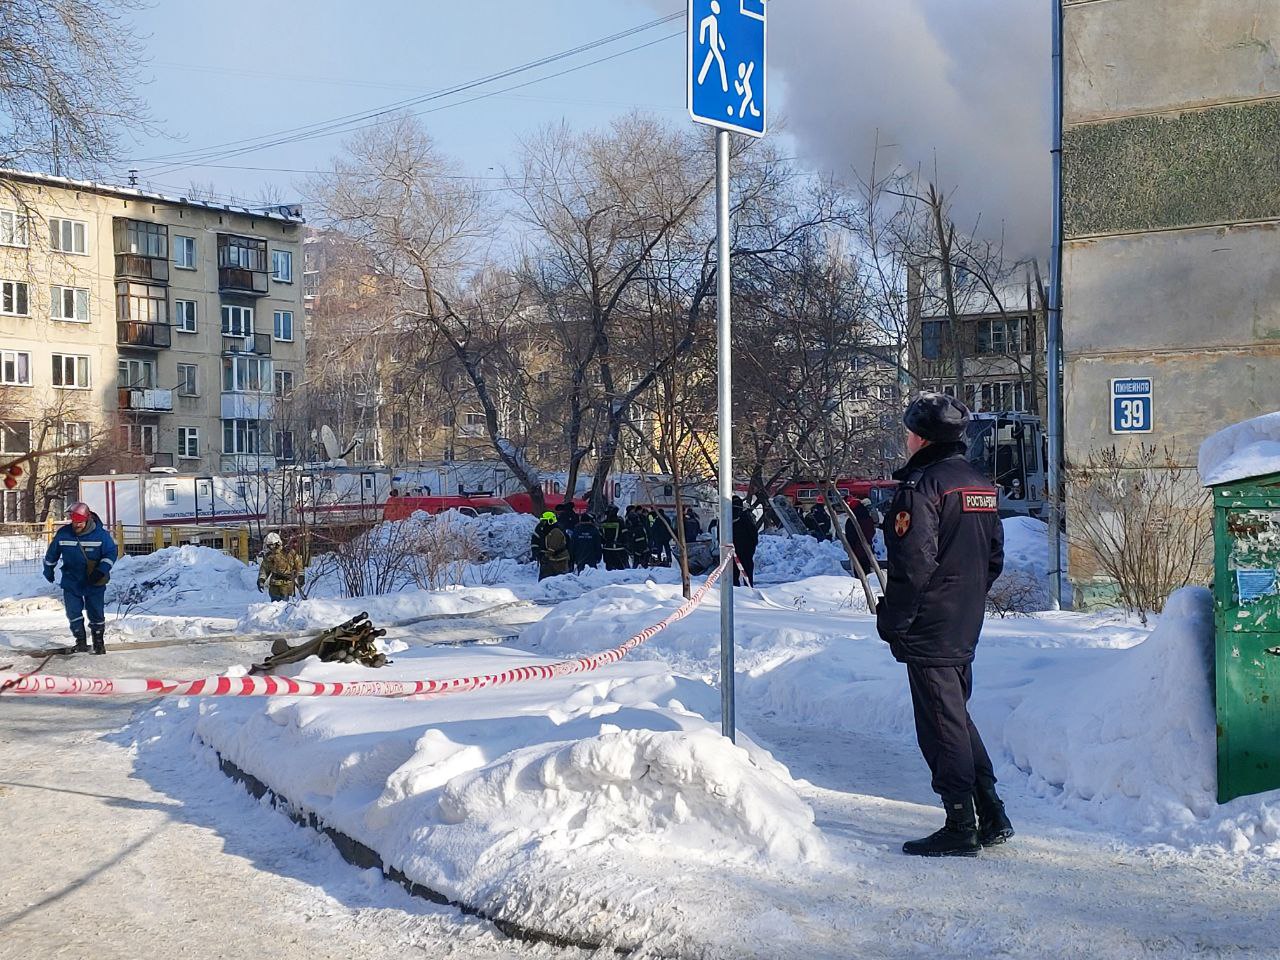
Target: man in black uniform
(946, 548)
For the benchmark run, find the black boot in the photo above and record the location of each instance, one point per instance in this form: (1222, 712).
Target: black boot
(958, 836)
(993, 824)
(82, 643)
(98, 646)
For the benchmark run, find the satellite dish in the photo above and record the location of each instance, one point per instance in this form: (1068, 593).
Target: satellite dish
(329, 441)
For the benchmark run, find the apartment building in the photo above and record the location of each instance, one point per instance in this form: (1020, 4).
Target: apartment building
(163, 328)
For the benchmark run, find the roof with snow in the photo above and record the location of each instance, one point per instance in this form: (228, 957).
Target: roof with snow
(282, 213)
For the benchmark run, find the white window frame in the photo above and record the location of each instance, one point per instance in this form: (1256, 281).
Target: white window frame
(279, 257)
(140, 438)
(278, 379)
(79, 303)
(146, 367)
(57, 225)
(185, 244)
(9, 292)
(242, 367)
(183, 379)
(6, 432)
(72, 431)
(15, 359)
(278, 449)
(242, 430)
(81, 365)
(188, 443)
(15, 226)
(277, 326)
(180, 316)
(241, 313)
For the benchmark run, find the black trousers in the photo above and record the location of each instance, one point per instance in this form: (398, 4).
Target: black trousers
(748, 567)
(952, 748)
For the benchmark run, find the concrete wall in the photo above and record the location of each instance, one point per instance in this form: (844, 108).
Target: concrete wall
(1171, 168)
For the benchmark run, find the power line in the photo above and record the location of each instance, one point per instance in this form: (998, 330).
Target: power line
(167, 162)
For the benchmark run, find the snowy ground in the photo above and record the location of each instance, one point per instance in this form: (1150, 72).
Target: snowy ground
(604, 807)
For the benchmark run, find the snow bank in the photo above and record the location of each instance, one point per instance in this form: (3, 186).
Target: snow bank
(781, 558)
(1247, 449)
(532, 801)
(1026, 565)
(497, 535)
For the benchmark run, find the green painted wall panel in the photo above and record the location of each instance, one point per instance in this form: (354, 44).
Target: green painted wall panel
(1220, 165)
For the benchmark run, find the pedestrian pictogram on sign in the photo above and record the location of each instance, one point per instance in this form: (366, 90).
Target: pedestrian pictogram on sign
(726, 64)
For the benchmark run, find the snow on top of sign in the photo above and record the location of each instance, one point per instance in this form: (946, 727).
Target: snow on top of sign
(1247, 449)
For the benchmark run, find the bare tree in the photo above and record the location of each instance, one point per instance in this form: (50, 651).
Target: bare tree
(68, 82)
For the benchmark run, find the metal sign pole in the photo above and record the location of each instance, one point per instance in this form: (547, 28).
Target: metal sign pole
(1054, 330)
(724, 344)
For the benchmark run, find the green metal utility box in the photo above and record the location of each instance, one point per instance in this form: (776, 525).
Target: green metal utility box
(1246, 593)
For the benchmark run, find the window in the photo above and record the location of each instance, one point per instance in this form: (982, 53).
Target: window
(188, 382)
(135, 374)
(15, 436)
(243, 252)
(13, 228)
(239, 436)
(475, 420)
(68, 432)
(311, 284)
(184, 252)
(932, 334)
(284, 325)
(15, 368)
(70, 303)
(142, 303)
(888, 391)
(282, 266)
(1004, 336)
(284, 444)
(544, 378)
(189, 443)
(13, 298)
(284, 383)
(1005, 395)
(68, 236)
(170, 493)
(139, 437)
(237, 321)
(862, 392)
(144, 239)
(70, 371)
(242, 374)
(184, 315)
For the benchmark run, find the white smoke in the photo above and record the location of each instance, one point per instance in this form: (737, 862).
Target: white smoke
(963, 84)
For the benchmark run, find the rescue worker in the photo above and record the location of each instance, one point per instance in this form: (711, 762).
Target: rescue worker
(555, 554)
(587, 545)
(692, 525)
(659, 539)
(860, 519)
(538, 541)
(279, 570)
(946, 548)
(87, 553)
(613, 542)
(817, 521)
(637, 536)
(745, 540)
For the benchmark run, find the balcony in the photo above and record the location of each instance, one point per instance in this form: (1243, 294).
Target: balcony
(131, 266)
(248, 406)
(151, 336)
(256, 343)
(240, 280)
(149, 401)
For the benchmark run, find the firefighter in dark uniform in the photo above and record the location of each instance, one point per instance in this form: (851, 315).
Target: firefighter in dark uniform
(946, 548)
(612, 539)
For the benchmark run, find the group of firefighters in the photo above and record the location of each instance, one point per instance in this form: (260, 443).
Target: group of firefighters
(945, 546)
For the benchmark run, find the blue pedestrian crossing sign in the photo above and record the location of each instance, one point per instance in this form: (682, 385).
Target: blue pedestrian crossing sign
(1132, 406)
(726, 64)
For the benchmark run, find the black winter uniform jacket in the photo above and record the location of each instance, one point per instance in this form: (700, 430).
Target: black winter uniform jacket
(946, 548)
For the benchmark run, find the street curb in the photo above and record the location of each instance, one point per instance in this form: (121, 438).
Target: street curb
(363, 857)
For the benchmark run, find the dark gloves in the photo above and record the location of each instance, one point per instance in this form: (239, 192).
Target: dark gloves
(48, 575)
(100, 580)
(300, 580)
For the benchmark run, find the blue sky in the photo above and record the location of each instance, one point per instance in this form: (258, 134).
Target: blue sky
(960, 88)
(216, 79)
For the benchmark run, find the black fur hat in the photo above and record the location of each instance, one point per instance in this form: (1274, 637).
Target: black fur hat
(936, 417)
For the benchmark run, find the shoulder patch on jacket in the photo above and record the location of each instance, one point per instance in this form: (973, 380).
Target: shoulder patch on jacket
(979, 501)
(902, 523)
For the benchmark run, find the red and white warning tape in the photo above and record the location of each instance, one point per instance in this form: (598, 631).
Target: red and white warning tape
(268, 686)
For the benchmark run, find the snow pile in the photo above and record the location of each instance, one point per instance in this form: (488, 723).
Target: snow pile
(537, 802)
(1247, 449)
(496, 535)
(170, 577)
(781, 558)
(317, 613)
(1135, 738)
(1024, 583)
